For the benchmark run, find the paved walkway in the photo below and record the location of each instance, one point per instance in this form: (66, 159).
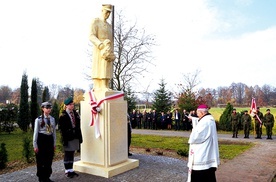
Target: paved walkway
(255, 165)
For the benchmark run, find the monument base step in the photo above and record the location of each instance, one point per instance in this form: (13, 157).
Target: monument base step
(106, 172)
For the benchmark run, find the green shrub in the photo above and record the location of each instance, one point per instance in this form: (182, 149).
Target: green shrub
(3, 156)
(225, 119)
(27, 149)
(184, 152)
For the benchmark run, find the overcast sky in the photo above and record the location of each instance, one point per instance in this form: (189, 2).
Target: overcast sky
(227, 40)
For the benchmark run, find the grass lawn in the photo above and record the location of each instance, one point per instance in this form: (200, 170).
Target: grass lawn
(14, 143)
(228, 150)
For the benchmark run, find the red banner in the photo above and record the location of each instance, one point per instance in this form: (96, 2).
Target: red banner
(253, 110)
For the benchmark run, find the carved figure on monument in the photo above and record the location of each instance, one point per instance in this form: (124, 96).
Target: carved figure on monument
(104, 149)
(103, 49)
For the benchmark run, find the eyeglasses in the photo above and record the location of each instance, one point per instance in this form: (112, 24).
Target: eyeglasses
(48, 107)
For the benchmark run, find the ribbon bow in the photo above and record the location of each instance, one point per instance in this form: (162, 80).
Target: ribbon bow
(95, 110)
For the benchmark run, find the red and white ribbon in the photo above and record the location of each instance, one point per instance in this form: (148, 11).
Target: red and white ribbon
(96, 109)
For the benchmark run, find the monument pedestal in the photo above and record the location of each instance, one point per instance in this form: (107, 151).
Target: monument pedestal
(106, 155)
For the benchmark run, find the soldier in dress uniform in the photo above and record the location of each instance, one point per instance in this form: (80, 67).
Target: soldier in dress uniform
(69, 124)
(268, 123)
(258, 124)
(235, 118)
(44, 142)
(246, 121)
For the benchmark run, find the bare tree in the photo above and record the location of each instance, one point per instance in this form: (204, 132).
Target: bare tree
(5, 93)
(133, 52)
(132, 48)
(54, 88)
(267, 90)
(238, 93)
(249, 93)
(190, 81)
(15, 97)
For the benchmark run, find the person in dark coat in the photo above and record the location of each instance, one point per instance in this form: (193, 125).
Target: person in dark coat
(132, 116)
(177, 120)
(154, 120)
(149, 119)
(129, 130)
(69, 125)
(163, 120)
(185, 120)
(169, 120)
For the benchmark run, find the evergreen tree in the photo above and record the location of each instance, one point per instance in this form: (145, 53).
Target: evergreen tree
(55, 112)
(23, 116)
(40, 89)
(45, 94)
(225, 118)
(34, 104)
(3, 156)
(187, 100)
(27, 149)
(162, 98)
(131, 100)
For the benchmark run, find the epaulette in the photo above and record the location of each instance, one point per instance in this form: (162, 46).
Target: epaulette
(39, 117)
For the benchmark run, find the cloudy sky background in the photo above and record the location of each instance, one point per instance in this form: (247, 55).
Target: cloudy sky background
(227, 40)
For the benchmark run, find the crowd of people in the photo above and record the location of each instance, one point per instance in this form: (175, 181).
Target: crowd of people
(175, 120)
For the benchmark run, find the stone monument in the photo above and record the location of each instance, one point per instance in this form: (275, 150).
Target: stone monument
(104, 150)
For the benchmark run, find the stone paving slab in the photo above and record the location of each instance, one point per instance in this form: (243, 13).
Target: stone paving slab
(151, 168)
(255, 165)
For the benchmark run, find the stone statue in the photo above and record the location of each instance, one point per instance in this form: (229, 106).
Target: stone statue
(103, 49)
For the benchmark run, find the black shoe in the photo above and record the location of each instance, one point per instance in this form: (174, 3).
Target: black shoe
(129, 154)
(69, 175)
(74, 174)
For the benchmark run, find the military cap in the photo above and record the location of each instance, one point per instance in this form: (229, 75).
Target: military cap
(234, 109)
(68, 101)
(268, 110)
(246, 111)
(107, 7)
(46, 104)
(258, 107)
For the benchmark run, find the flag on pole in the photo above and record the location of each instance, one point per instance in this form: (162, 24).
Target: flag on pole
(253, 110)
